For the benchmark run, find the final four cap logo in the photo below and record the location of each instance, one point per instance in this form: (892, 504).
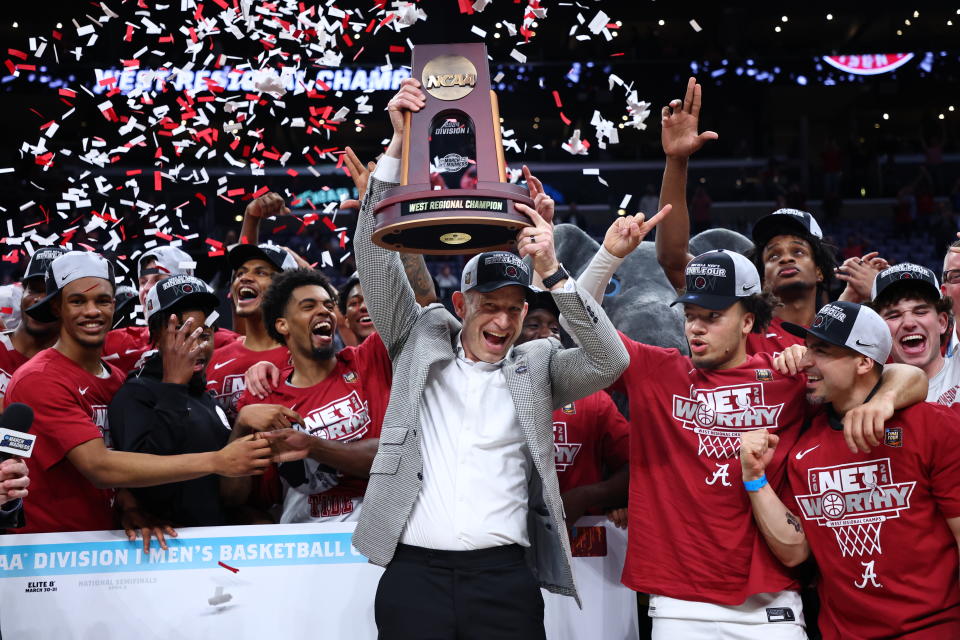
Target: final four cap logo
(717, 279)
(847, 324)
(905, 275)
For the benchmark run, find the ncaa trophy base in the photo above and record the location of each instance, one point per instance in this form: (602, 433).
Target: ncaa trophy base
(451, 221)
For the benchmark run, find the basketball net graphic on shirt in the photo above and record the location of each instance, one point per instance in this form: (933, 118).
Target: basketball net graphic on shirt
(564, 451)
(719, 416)
(345, 419)
(854, 500)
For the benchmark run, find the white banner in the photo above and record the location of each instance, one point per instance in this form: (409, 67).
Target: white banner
(279, 581)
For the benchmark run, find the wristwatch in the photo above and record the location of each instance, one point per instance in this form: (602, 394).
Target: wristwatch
(560, 274)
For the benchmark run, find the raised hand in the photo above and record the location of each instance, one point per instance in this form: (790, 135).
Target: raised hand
(859, 274)
(627, 232)
(680, 121)
(537, 242)
(541, 201)
(360, 175)
(756, 452)
(269, 204)
(408, 98)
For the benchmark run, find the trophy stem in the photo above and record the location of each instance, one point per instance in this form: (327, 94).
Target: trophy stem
(501, 160)
(405, 154)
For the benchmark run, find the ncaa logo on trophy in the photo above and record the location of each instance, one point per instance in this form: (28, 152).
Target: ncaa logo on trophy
(453, 196)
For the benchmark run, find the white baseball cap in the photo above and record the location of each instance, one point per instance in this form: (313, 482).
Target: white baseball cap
(71, 266)
(168, 259)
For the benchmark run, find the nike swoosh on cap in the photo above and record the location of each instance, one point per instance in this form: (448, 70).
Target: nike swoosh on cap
(747, 287)
(864, 345)
(800, 454)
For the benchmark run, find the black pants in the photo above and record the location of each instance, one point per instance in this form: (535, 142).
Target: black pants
(459, 595)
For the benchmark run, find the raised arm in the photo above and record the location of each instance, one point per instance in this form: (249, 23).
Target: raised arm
(269, 204)
(781, 529)
(386, 290)
(601, 358)
(413, 263)
(680, 139)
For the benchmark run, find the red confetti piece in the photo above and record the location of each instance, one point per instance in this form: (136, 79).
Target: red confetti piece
(157, 181)
(134, 172)
(6, 310)
(68, 93)
(202, 198)
(293, 173)
(128, 37)
(614, 55)
(235, 192)
(348, 40)
(108, 81)
(565, 119)
(17, 53)
(556, 98)
(343, 239)
(466, 6)
(214, 243)
(259, 192)
(327, 221)
(397, 48)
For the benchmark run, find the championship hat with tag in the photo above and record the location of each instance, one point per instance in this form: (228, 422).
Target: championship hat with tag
(40, 260)
(717, 279)
(495, 269)
(171, 291)
(905, 275)
(851, 325)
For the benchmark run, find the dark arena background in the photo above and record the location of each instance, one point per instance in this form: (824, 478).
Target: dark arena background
(129, 123)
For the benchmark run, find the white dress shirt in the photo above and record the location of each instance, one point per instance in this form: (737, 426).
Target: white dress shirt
(476, 465)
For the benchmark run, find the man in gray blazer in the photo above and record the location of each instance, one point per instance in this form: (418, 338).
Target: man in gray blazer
(463, 507)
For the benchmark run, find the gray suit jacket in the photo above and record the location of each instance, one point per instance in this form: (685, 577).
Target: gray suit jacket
(539, 374)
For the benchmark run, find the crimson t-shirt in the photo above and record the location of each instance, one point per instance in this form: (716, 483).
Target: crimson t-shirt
(876, 524)
(772, 340)
(10, 361)
(229, 364)
(69, 408)
(691, 531)
(347, 405)
(589, 435)
(125, 347)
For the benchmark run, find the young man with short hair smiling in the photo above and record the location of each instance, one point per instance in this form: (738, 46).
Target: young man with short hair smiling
(883, 524)
(908, 298)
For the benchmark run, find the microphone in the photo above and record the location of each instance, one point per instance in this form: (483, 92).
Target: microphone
(15, 439)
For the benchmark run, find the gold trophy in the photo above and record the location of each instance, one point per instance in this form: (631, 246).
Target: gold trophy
(453, 196)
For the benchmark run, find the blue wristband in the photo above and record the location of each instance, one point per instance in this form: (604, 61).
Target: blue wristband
(755, 485)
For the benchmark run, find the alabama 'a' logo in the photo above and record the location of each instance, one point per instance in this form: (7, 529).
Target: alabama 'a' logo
(718, 416)
(854, 500)
(564, 451)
